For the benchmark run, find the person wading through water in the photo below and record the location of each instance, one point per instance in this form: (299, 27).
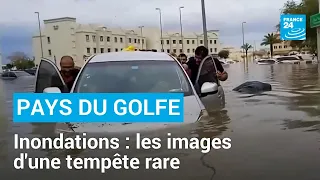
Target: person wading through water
(209, 67)
(68, 71)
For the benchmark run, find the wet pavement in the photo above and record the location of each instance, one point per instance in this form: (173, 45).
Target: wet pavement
(275, 135)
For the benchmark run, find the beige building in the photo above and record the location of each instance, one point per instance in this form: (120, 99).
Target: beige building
(172, 41)
(64, 36)
(282, 48)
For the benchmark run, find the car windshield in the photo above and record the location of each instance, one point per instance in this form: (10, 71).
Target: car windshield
(133, 76)
(22, 73)
(288, 58)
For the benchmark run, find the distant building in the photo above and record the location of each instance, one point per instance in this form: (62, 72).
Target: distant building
(64, 36)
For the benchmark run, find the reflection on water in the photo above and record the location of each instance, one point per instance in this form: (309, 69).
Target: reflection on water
(275, 135)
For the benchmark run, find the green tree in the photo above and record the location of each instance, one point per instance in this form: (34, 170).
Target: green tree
(21, 61)
(298, 45)
(9, 66)
(224, 54)
(309, 8)
(246, 48)
(270, 39)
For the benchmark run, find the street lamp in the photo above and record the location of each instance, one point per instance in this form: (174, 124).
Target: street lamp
(40, 33)
(141, 36)
(161, 41)
(181, 27)
(243, 50)
(204, 24)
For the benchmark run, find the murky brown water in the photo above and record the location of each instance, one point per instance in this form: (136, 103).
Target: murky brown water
(275, 135)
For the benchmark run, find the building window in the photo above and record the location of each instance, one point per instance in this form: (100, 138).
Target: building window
(162, 50)
(116, 49)
(95, 50)
(88, 50)
(215, 41)
(56, 27)
(180, 41)
(174, 51)
(188, 50)
(101, 50)
(210, 41)
(115, 39)
(101, 38)
(130, 40)
(142, 41)
(192, 41)
(168, 50)
(94, 38)
(274, 47)
(280, 47)
(193, 50)
(138, 41)
(109, 49)
(180, 50)
(48, 38)
(121, 40)
(201, 41)
(49, 52)
(161, 41)
(135, 49)
(135, 40)
(87, 38)
(108, 39)
(188, 42)
(168, 42)
(215, 50)
(174, 41)
(210, 49)
(285, 46)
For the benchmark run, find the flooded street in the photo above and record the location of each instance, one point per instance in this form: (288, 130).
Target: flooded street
(275, 135)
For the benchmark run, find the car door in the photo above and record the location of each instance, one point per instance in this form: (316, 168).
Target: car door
(207, 73)
(48, 75)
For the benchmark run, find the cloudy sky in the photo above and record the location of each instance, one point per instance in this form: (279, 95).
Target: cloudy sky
(18, 21)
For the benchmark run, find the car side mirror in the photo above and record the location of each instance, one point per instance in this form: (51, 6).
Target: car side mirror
(51, 90)
(209, 87)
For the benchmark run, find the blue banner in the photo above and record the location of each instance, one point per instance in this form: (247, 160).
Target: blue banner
(98, 107)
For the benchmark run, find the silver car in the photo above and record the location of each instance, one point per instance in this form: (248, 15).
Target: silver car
(132, 72)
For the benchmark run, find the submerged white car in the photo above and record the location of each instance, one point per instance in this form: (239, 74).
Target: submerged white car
(133, 72)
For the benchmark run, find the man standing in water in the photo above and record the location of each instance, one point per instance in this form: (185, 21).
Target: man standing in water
(68, 71)
(193, 66)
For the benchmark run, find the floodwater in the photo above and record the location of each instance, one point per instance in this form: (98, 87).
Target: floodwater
(275, 135)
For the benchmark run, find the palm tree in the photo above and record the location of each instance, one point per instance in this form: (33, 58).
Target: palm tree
(270, 39)
(246, 48)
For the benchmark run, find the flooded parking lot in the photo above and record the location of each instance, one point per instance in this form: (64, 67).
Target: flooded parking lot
(275, 135)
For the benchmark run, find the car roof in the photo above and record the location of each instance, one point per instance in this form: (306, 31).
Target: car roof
(131, 56)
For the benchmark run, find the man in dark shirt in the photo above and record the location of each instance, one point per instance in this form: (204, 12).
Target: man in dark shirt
(193, 65)
(68, 71)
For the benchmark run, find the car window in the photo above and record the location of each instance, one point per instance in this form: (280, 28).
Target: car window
(22, 73)
(287, 58)
(5, 74)
(133, 76)
(11, 74)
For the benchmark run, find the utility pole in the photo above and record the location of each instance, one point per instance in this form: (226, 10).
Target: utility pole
(204, 24)
(161, 41)
(141, 36)
(181, 27)
(243, 50)
(40, 33)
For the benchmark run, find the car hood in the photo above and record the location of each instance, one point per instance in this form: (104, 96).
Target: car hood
(192, 110)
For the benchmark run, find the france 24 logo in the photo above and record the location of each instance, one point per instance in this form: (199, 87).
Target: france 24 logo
(293, 27)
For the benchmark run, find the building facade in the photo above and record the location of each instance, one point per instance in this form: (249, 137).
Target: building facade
(64, 36)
